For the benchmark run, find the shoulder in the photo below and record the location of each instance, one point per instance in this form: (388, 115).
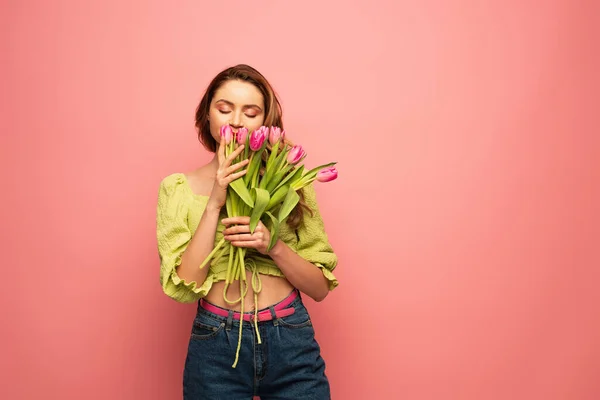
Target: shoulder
(176, 186)
(172, 182)
(194, 185)
(174, 197)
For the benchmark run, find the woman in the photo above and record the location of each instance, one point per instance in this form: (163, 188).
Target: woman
(286, 362)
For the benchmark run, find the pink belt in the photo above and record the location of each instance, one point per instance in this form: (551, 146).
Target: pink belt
(279, 309)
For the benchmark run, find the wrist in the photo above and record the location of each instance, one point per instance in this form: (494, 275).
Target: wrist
(277, 249)
(213, 207)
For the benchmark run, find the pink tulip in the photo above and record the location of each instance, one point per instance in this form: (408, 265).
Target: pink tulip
(276, 134)
(296, 154)
(242, 134)
(258, 137)
(327, 174)
(226, 133)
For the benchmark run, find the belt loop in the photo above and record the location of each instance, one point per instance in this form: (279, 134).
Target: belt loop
(229, 320)
(274, 316)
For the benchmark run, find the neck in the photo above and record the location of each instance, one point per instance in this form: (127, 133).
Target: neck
(214, 163)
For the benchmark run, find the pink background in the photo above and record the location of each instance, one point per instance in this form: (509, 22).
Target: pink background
(465, 215)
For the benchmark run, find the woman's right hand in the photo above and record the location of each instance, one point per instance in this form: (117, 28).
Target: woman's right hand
(225, 175)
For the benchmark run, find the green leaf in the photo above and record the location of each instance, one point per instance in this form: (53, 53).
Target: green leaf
(250, 169)
(291, 199)
(262, 199)
(235, 201)
(247, 146)
(229, 205)
(273, 155)
(270, 167)
(292, 177)
(280, 162)
(254, 167)
(274, 230)
(278, 170)
(275, 181)
(277, 197)
(240, 189)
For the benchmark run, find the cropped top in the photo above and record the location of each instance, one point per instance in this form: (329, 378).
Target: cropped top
(178, 214)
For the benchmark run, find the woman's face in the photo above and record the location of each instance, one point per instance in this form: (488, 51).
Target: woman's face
(237, 103)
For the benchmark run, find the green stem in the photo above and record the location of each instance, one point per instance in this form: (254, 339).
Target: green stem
(256, 318)
(237, 353)
(212, 253)
(247, 176)
(223, 251)
(231, 272)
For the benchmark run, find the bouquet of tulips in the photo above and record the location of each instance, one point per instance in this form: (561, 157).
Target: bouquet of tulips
(269, 196)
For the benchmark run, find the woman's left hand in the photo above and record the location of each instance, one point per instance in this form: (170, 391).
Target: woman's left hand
(240, 236)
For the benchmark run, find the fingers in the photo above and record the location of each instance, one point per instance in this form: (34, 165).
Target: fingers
(225, 175)
(240, 236)
(233, 155)
(237, 166)
(256, 244)
(235, 176)
(237, 229)
(221, 152)
(241, 233)
(245, 237)
(243, 220)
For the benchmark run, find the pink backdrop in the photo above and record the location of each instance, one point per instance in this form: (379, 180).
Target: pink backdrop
(465, 215)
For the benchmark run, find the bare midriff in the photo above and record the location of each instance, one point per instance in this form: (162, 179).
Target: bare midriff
(273, 290)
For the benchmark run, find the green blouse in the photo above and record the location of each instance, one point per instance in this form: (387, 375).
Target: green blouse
(178, 214)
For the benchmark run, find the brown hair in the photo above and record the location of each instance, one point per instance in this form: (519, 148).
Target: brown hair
(273, 117)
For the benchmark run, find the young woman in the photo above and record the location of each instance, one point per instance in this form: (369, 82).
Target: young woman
(286, 362)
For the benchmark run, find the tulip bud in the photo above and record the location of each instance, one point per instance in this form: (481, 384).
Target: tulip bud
(242, 134)
(275, 135)
(296, 154)
(327, 174)
(226, 134)
(258, 137)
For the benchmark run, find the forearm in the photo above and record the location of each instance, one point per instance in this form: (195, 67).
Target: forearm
(302, 274)
(200, 246)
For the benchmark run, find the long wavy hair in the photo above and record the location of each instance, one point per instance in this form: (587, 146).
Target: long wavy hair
(273, 117)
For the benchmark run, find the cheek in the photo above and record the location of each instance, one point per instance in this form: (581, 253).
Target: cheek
(216, 120)
(254, 123)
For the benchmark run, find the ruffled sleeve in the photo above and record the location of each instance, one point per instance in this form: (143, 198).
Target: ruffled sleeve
(173, 235)
(313, 242)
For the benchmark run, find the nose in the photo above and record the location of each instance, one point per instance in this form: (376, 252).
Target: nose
(236, 121)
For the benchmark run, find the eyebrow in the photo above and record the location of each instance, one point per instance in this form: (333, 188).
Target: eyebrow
(245, 106)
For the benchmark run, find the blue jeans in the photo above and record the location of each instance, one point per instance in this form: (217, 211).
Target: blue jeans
(286, 365)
